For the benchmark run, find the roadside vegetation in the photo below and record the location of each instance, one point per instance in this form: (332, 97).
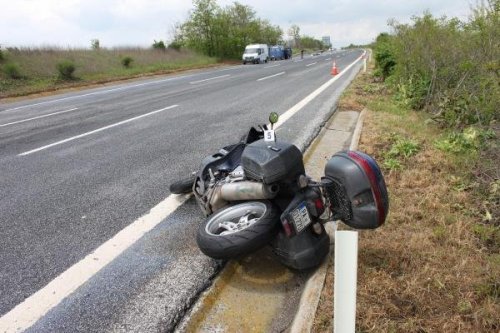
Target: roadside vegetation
(31, 70)
(435, 265)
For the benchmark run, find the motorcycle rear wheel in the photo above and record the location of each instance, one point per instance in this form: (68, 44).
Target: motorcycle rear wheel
(239, 229)
(182, 186)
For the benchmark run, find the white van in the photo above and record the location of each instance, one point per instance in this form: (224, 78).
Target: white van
(255, 53)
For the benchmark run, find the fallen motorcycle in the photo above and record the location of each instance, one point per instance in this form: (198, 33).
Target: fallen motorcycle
(256, 192)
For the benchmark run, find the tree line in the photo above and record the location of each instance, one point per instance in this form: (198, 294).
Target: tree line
(224, 32)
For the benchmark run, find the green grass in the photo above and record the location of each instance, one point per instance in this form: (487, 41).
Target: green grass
(39, 66)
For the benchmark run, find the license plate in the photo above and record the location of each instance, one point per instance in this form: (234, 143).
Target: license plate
(300, 217)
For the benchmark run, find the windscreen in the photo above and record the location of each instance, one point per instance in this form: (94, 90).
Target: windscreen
(251, 51)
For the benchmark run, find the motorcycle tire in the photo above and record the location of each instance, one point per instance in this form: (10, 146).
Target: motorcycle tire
(182, 186)
(239, 229)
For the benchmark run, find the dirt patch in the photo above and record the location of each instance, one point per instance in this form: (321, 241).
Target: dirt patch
(435, 265)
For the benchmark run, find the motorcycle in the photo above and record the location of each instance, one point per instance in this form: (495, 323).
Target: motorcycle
(255, 192)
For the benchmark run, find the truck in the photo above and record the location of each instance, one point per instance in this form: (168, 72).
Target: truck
(276, 52)
(255, 53)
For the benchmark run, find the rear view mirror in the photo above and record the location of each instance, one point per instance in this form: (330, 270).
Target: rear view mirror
(273, 118)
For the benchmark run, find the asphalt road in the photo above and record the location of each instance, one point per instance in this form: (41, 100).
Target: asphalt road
(77, 168)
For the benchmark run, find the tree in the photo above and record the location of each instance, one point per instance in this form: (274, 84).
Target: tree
(199, 29)
(94, 43)
(159, 45)
(294, 33)
(224, 32)
(311, 43)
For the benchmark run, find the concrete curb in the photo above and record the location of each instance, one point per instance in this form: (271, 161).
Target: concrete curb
(309, 300)
(357, 131)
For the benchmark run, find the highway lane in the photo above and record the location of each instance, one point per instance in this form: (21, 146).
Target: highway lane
(60, 203)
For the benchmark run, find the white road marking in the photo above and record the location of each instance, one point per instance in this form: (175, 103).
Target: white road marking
(298, 60)
(229, 68)
(103, 91)
(328, 59)
(37, 305)
(273, 66)
(212, 78)
(270, 76)
(96, 131)
(314, 63)
(38, 117)
(297, 107)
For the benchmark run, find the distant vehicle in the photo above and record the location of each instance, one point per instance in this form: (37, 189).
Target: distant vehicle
(255, 53)
(288, 52)
(276, 52)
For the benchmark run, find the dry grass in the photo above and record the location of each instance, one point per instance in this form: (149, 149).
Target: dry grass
(38, 66)
(435, 265)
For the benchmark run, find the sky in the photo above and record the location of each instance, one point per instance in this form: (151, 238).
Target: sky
(74, 23)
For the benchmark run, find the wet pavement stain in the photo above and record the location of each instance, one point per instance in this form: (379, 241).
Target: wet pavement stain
(254, 287)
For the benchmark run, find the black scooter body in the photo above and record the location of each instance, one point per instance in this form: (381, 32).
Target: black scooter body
(303, 251)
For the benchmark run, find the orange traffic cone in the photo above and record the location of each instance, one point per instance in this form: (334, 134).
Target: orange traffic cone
(335, 70)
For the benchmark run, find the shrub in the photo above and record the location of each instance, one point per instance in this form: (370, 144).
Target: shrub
(392, 164)
(445, 66)
(95, 44)
(127, 61)
(384, 56)
(403, 148)
(159, 45)
(12, 70)
(66, 68)
(400, 150)
(2, 57)
(175, 45)
(469, 139)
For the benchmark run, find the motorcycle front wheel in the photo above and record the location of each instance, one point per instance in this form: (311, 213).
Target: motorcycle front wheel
(237, 230)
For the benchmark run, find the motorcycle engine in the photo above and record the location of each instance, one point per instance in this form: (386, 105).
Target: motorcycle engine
(208, 192)
(225, 187)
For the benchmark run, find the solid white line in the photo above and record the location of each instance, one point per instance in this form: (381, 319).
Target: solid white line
(37, 305)
(212, 78)
(314, 63)
(273, 66)
(95, 131)
(270, 76)
(298, 60)
(38, 117)
(229, 68)
(297, 107)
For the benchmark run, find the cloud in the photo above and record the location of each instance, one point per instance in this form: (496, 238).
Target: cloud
(138, 22)
(353, 21)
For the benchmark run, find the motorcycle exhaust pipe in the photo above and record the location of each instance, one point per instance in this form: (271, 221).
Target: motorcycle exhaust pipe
(246, 190)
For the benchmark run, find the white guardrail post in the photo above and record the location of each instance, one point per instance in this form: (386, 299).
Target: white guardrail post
(346, 271)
